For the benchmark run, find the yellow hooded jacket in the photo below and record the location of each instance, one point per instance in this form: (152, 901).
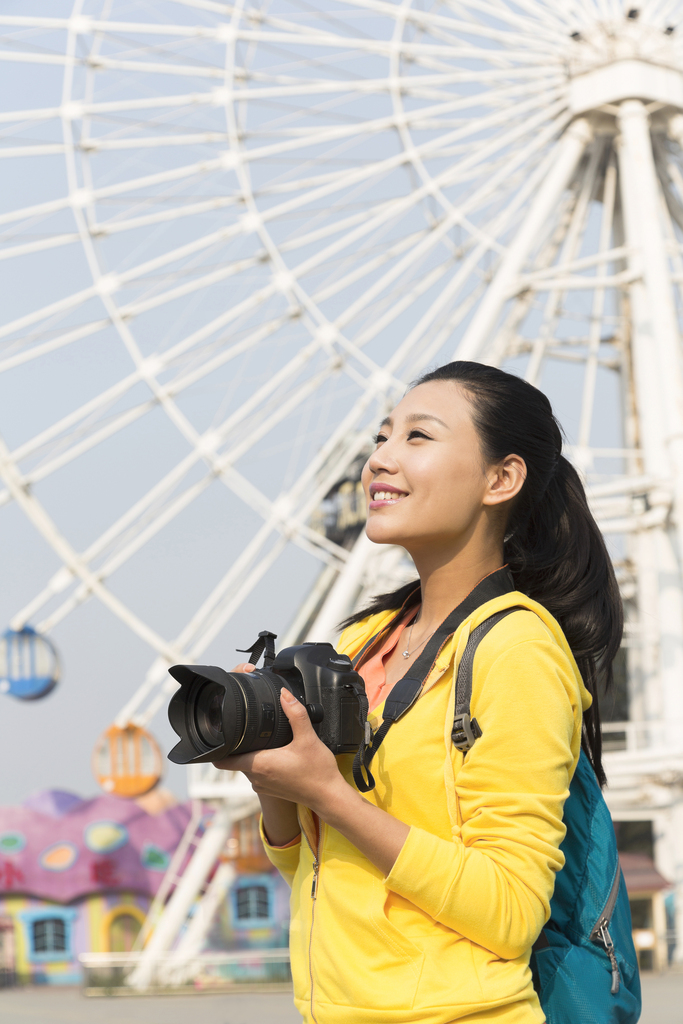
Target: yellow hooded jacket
(447, 934)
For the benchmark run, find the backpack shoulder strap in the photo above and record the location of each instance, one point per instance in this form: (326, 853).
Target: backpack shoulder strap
(465, 729)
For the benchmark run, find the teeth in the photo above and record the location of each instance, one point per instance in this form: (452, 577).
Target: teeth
(385, 495)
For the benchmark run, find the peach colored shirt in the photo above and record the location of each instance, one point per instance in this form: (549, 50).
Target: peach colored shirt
(373, 671)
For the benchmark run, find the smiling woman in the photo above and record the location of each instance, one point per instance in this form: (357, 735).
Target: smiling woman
(418, 894)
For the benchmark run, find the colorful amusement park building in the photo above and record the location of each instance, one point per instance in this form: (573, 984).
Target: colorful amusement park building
(78, 876)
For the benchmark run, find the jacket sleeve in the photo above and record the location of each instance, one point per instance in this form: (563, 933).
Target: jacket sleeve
(284, 858)
(493, 882)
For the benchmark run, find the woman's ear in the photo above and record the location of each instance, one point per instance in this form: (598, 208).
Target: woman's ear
(505, 480)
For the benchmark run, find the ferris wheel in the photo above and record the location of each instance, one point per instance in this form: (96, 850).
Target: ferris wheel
(247, 227)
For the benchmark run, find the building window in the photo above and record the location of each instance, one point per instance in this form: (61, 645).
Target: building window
(252, 902)
(48, 932)
(49, 935)
(635, 837)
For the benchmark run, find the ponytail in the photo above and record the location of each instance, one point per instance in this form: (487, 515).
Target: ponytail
(552, 546)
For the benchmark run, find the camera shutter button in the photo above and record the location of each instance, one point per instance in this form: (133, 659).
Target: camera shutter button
(316, 713)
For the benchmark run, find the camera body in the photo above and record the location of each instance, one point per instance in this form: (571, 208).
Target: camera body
(217, 713)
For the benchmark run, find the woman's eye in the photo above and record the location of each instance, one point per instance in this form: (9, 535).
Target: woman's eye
(418, 433)
(378, 438)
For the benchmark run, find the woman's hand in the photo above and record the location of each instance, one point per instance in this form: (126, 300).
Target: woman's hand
(304, 772)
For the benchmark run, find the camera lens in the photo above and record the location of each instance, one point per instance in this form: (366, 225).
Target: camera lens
(216, 719)
(209, 714)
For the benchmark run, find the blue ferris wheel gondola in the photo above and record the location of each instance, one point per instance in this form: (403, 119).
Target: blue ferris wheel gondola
(29, 665)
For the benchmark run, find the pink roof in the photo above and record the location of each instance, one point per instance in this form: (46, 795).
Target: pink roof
(60, 847)
(640, 873)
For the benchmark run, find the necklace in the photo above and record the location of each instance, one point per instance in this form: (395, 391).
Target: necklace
(408, 652)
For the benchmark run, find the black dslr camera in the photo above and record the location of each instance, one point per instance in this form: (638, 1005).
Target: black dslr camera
(218, 713)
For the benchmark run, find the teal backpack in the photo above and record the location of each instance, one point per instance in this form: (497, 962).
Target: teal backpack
(584, 965)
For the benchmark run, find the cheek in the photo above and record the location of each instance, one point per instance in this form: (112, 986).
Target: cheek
(452, 494)
(366, 478)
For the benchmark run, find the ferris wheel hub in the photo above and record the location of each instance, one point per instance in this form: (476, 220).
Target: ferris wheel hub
(631, 60)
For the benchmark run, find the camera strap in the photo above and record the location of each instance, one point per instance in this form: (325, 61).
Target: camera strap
(265, 642)
(406, 691)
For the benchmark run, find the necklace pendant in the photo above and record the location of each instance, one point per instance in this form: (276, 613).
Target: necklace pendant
(406, 654)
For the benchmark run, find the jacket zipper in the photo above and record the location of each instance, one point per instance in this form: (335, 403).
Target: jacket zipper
(314, 896)
(601, 933)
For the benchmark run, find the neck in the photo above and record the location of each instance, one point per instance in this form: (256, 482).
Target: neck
(446, 581)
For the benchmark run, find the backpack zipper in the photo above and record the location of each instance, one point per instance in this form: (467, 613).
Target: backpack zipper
(601, 933)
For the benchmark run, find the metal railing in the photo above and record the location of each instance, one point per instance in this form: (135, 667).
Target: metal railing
(618, 736)
(249, 970)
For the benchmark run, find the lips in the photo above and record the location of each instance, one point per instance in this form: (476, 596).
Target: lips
(382, 494)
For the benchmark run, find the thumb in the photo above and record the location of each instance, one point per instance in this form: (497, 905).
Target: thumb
(296, 713)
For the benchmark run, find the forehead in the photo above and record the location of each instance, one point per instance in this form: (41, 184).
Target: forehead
(442, 399)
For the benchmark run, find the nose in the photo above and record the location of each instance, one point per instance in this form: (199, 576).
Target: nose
(382, 460)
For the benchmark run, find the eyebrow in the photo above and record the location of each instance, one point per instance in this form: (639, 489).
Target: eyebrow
(415, 417)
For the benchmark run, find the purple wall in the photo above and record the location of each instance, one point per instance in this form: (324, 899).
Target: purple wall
(59, 847)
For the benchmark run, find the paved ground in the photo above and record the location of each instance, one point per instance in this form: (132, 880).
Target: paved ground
(68, 1006)
(662, 999)
(662, 1004)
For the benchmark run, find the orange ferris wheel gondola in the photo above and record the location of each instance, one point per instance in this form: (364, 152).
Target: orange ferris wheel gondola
(127, 761)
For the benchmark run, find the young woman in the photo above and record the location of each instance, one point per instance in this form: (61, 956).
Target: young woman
(421, 900)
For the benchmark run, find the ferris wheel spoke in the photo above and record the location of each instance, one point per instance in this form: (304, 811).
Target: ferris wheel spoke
(451, 32)
(35, 149)
(598, 310)
(35, 351)
(36, 210)
(184, 380)
(277, 518)
(502, 96)
(221, 466)
(427, 20)
(29, 57)
(204, 450)
(207, 5)
(446, 178)
(93, 438)
(301, 138)
(417, 51)
(662, 11)
(54, 242)
(552, 22)
(53, 309)
(379, 255)
(450, 219)
(104, 228)
(571, 246)
(158, 493)
(40, 519)
(552, 17)
(206, 241)
(266, 82)
(84, 196)
(196, 168)
(28, 115)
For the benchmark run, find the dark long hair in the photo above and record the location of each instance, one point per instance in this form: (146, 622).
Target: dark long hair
(552, 545)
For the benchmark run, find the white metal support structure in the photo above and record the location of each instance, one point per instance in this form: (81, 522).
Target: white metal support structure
(268, 235)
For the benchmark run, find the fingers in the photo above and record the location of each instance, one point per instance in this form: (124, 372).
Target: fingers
(245, 666)
(236, 762)
(296, 713)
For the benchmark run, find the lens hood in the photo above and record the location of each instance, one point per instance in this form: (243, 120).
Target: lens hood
(185, 706)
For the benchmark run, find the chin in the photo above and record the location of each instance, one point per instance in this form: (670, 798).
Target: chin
(381, 533)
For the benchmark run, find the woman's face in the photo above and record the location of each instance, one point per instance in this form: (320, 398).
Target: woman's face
(426, 483)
